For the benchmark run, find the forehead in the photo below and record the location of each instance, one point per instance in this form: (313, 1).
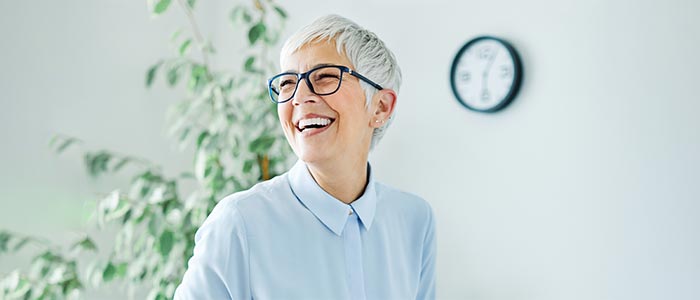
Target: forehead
(314, 54)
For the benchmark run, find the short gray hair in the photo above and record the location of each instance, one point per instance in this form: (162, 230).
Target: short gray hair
(363, 48)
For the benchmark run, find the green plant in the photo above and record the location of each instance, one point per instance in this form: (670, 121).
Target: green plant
(232, 127)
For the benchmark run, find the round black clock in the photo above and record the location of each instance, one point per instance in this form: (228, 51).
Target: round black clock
(486, 74)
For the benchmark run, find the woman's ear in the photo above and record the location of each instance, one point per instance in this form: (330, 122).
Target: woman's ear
(384, 107)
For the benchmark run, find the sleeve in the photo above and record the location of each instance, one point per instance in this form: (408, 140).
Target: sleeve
(219, 267)
(426, 285)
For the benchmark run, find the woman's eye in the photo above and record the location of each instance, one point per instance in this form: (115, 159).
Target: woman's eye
(287, 82)
(326, 76)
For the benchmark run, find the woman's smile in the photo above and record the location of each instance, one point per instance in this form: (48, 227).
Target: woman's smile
(312, 124)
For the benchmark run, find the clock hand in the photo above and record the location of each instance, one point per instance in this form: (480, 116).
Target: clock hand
(485, 76)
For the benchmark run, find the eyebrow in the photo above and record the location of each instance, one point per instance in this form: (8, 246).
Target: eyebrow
(313, 67)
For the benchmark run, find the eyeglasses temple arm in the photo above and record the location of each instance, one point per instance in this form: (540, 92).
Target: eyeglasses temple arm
(372, 83)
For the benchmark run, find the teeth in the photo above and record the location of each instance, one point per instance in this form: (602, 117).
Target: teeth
(313, 121)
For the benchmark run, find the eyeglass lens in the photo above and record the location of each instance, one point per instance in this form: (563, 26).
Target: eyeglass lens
(324, 81)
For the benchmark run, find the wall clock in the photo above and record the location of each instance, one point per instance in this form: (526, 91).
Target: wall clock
(486, 74)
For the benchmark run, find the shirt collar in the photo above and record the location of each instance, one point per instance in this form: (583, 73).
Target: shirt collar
(332, 212)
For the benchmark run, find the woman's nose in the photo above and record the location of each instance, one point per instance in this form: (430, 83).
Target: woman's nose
(304, 94)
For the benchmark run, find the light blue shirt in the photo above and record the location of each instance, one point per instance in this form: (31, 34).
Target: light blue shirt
(286, 238)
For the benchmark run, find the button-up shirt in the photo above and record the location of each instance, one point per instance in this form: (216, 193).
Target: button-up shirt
(287, 238)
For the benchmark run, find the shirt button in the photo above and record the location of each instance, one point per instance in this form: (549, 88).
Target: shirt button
(350, 212)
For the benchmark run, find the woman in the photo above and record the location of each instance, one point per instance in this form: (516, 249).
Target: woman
(325, 229)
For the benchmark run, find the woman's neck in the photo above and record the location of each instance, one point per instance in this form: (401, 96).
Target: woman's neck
(344, 179)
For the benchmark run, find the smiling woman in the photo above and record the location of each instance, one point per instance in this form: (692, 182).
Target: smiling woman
(326, 229)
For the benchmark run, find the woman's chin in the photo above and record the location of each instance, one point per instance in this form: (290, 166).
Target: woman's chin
(312, 151)
(314, 154)
(312, 157)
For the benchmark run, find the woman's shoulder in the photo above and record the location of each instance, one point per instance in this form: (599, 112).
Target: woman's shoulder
(236, 210)
(259, 194)
(411, 211)
(402, 199)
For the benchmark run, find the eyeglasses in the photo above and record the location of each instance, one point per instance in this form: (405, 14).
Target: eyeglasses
(322, 81)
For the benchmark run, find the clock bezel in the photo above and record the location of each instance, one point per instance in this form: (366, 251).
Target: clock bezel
(517, 74)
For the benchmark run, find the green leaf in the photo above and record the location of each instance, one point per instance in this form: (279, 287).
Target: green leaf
(229, 84)
(281, 12)
(122, 208)
(199, 76)
(70, 285)
(185, 45)
(191, 3)
(173, 75)
(261, 144)
(256, 32)
(249, 64)
(109, 272)
(65, 142)
(236, 149)
(47, 256)
(230, 118)
(145, 213)
(248, 165)
(185, 133)
(161, 6)
(156, 295)
(151, 74)
(153, 226)
(65, 145)
(165, 243)
(97, 162)
(209, 166)
(121, 164)
(23, 286)
(246, 16)
(175, 35)
(4, 240)
(21, 244)
(121, 269)
(233, 15)
(213, 142)
(85, 244)
(201, 137)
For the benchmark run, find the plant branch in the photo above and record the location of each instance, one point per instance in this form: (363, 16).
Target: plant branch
(195, 30)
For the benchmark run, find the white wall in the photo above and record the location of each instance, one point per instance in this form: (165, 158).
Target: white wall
(584, 188)
(75, 67)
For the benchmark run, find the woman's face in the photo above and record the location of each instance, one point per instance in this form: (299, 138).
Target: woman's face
(349, 130)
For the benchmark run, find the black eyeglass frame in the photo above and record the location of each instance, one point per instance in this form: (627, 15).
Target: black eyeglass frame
(305, 77)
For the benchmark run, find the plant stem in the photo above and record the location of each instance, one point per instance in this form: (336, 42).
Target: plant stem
(195, 31)
(264, 162)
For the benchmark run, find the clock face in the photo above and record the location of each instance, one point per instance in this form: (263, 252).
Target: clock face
(486, 74)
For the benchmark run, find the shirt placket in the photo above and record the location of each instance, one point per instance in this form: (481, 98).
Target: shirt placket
(353, 257)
